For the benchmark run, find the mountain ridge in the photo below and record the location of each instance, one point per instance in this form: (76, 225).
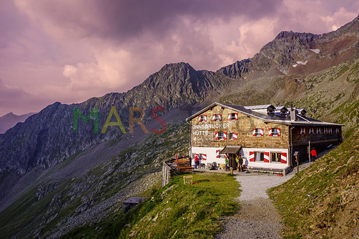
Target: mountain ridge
(9, 120)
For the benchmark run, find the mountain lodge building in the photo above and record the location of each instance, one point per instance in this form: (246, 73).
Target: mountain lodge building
(264, 136)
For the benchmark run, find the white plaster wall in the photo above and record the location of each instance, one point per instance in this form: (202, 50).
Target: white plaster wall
(211, 154)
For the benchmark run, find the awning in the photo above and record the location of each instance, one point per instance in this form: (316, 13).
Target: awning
(229, 149)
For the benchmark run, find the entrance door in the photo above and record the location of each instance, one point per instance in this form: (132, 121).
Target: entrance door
(232, 161)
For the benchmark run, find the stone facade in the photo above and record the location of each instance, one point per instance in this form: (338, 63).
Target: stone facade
(265, 142)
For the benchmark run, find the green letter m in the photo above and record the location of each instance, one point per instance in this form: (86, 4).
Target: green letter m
(78, 113)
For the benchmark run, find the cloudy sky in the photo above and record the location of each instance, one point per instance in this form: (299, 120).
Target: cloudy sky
(71, 50)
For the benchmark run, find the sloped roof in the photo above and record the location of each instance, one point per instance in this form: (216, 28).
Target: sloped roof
(279, 119)
(231, 149)
(258, 107)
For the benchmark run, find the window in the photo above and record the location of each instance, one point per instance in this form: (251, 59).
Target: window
(216, 117)
(233, 116)
(302, 130)
(233, 136)
(202, 118)
(203, 156)
(328, 130)
(199, 156)
(319, 130)
(258, 132)
(337, 130)
(275, 157)
(259, 156)
(221, 135)
(220, 155)
(311, 130)
(274, 131)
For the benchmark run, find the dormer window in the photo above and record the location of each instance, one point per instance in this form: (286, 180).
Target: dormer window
(217, 117)
(202, 118)
(302, 112)
(283, 111)
(233, 116)
(271, 110)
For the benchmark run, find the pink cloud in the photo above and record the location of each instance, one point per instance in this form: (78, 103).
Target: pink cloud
(70, 51)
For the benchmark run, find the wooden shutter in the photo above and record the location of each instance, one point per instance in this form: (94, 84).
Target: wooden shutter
(270, 132)
(204, 156)
(236, 116)
(283, 158)
(199, 118)
(205, 118)
(220, 117)
(254, 132)
(229, 116)
(214, 117)
(279, 131)
(251, 156)
(235, 135)
(266, 157)
(216, 135)
(217, 153)
(225, 135)
(262, 131)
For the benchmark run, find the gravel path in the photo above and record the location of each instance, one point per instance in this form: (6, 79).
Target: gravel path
(257, 217)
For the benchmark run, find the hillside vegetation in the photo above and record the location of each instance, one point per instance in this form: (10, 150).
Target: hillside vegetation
(55, 206)
(323, 200)
(187, 211)
(175, 211)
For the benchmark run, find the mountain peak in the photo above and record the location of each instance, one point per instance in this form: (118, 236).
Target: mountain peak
(352, 27)
(293, 35)
(177, 66)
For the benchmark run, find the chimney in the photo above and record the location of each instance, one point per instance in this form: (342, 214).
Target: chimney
(293, 114)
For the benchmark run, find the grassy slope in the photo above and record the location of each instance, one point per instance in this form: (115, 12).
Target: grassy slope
(331, 210)
(175, 211)
(186, 211)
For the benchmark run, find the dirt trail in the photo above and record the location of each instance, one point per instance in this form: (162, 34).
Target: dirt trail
(257, 217)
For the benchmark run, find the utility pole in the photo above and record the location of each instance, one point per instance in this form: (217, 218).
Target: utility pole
(309, 152)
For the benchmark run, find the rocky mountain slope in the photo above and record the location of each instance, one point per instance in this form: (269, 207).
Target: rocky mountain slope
(293, 53)
(47, 138)
(10, 120)
(59, 201)
(53, 180)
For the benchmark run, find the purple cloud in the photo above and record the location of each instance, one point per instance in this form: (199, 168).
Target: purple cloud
(70, 51)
